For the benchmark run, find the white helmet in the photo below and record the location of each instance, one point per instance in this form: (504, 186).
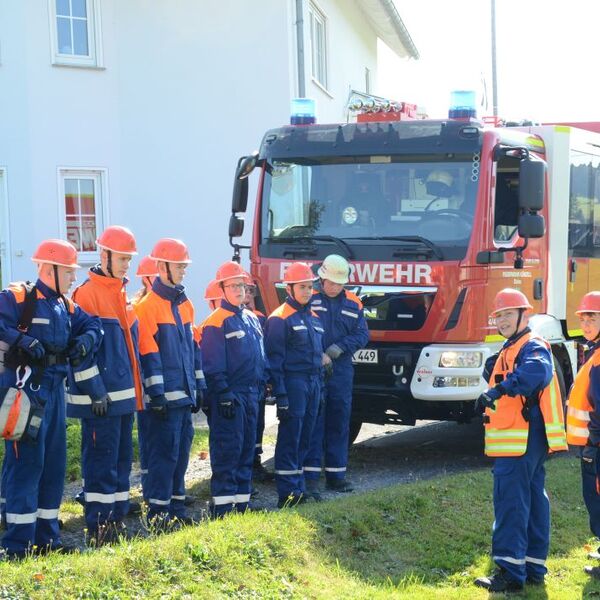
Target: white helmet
(335, 268)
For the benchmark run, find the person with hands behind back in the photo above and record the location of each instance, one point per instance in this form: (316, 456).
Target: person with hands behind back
(234, 363)
(523, 421)
(294, 345)
(173, 380)
(583, 416)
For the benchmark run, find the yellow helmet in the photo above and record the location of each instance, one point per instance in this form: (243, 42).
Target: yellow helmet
(439, 183)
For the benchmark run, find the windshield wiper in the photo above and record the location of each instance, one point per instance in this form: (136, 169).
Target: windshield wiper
(417, 239)
(315, 238)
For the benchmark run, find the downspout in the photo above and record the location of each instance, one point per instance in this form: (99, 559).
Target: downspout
(300, 47)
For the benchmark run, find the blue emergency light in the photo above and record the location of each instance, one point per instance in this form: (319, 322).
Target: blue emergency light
(303, 111)
(462, 105)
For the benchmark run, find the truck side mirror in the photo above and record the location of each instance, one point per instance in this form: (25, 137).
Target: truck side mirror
(531, 226)
(246, 165)
(532, 184)
(236, 226)
(239, 200)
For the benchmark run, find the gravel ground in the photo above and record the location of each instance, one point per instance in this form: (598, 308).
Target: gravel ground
(381, 456)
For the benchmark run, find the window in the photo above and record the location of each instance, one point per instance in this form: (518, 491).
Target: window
(506, 204)
(584, 205)
(82, 204)
(75, 28)
(318, 44)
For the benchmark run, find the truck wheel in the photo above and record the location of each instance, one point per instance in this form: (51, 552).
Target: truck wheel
(561, 381)
(354, 431)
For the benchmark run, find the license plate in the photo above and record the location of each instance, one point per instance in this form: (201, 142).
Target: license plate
(366, 355)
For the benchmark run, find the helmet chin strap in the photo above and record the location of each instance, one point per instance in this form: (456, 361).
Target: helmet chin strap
(109, 263)
(169, 276)
(57, 284)
(521, 311)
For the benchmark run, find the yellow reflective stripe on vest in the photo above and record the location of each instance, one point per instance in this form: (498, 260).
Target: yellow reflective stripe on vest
(507, 433)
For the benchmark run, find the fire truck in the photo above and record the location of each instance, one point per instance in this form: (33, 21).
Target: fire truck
(435, 217)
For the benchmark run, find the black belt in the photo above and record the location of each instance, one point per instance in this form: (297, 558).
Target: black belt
(50, 359)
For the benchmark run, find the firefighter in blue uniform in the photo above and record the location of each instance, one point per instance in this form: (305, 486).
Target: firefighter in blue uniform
(523, 422)
(341, 314)
(107, 422)
(234, 364)
(173, 380)
(294, 345)
(59, 332)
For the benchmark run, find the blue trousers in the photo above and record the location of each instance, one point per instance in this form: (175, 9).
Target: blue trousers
(33, 482)
(232, 445)
(142, 426)
(2, 488)
(168, 446)
(332, 428)
(521, 533)
(294, 433)
(590, 482)
(260, 428)
(106, 456)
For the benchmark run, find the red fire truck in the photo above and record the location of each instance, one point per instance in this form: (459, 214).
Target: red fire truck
(435, 217)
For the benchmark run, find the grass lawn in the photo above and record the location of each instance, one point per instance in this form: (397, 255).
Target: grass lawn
(424, 540)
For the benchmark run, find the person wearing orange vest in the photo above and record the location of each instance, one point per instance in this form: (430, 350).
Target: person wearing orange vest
(523, 422)
(107, 423)
(59, 333)
(583, 415)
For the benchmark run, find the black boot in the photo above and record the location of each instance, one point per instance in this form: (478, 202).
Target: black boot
(499, 581)
(340, 485)
(313, 489)
(260, 473)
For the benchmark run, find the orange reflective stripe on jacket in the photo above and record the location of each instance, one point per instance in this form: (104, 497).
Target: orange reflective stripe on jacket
(507, 431)
(579, 408)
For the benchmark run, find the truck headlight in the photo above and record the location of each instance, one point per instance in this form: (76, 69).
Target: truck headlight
(453, 359)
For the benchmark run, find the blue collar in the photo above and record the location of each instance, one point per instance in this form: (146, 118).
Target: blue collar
(295, 304)
(238, 310)
(172, 294)
(47, 291)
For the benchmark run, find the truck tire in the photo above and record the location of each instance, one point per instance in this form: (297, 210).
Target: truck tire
(354, 431)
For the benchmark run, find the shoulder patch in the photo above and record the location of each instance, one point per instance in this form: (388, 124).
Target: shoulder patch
(352, 296)
(217, 317)
(283, 311)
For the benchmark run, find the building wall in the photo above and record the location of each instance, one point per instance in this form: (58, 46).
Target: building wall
(185, 89)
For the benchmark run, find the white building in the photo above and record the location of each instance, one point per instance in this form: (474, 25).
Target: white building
(134, 112)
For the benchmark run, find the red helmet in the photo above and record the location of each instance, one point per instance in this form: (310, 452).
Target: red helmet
(213, 291)
(508, 298)
(56, 252)
(117, 239)
(230, 270)
(147, 267)
(590, 303)
(298, 272)
(170, 250)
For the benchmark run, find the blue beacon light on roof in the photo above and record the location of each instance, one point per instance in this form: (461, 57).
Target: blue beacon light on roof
(462, 105)
(303, 111)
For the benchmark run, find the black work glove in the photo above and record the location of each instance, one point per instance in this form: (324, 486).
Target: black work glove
(158, 406)
(226, 406)
(328, 370)
(334, 351)
(485, 401)
(32, 346)
(490, 363)
(79, 348)
(100, 406)
(322, 401)
(589, 454)
(199, 401)
(283, 408)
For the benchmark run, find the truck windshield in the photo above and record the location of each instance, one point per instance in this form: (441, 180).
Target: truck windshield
(377, 201)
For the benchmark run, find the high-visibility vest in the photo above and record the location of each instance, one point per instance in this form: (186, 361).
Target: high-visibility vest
(506, 430)
(579, 408)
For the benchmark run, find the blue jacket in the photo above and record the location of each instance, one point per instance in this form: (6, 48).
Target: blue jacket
(344, 324)
(55, 325)
(294, 343)
(118, 356)
(233, 350)
(170, 354)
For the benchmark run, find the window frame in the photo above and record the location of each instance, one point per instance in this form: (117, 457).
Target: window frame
(100, 177)
(316, 14)
(94, 59)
